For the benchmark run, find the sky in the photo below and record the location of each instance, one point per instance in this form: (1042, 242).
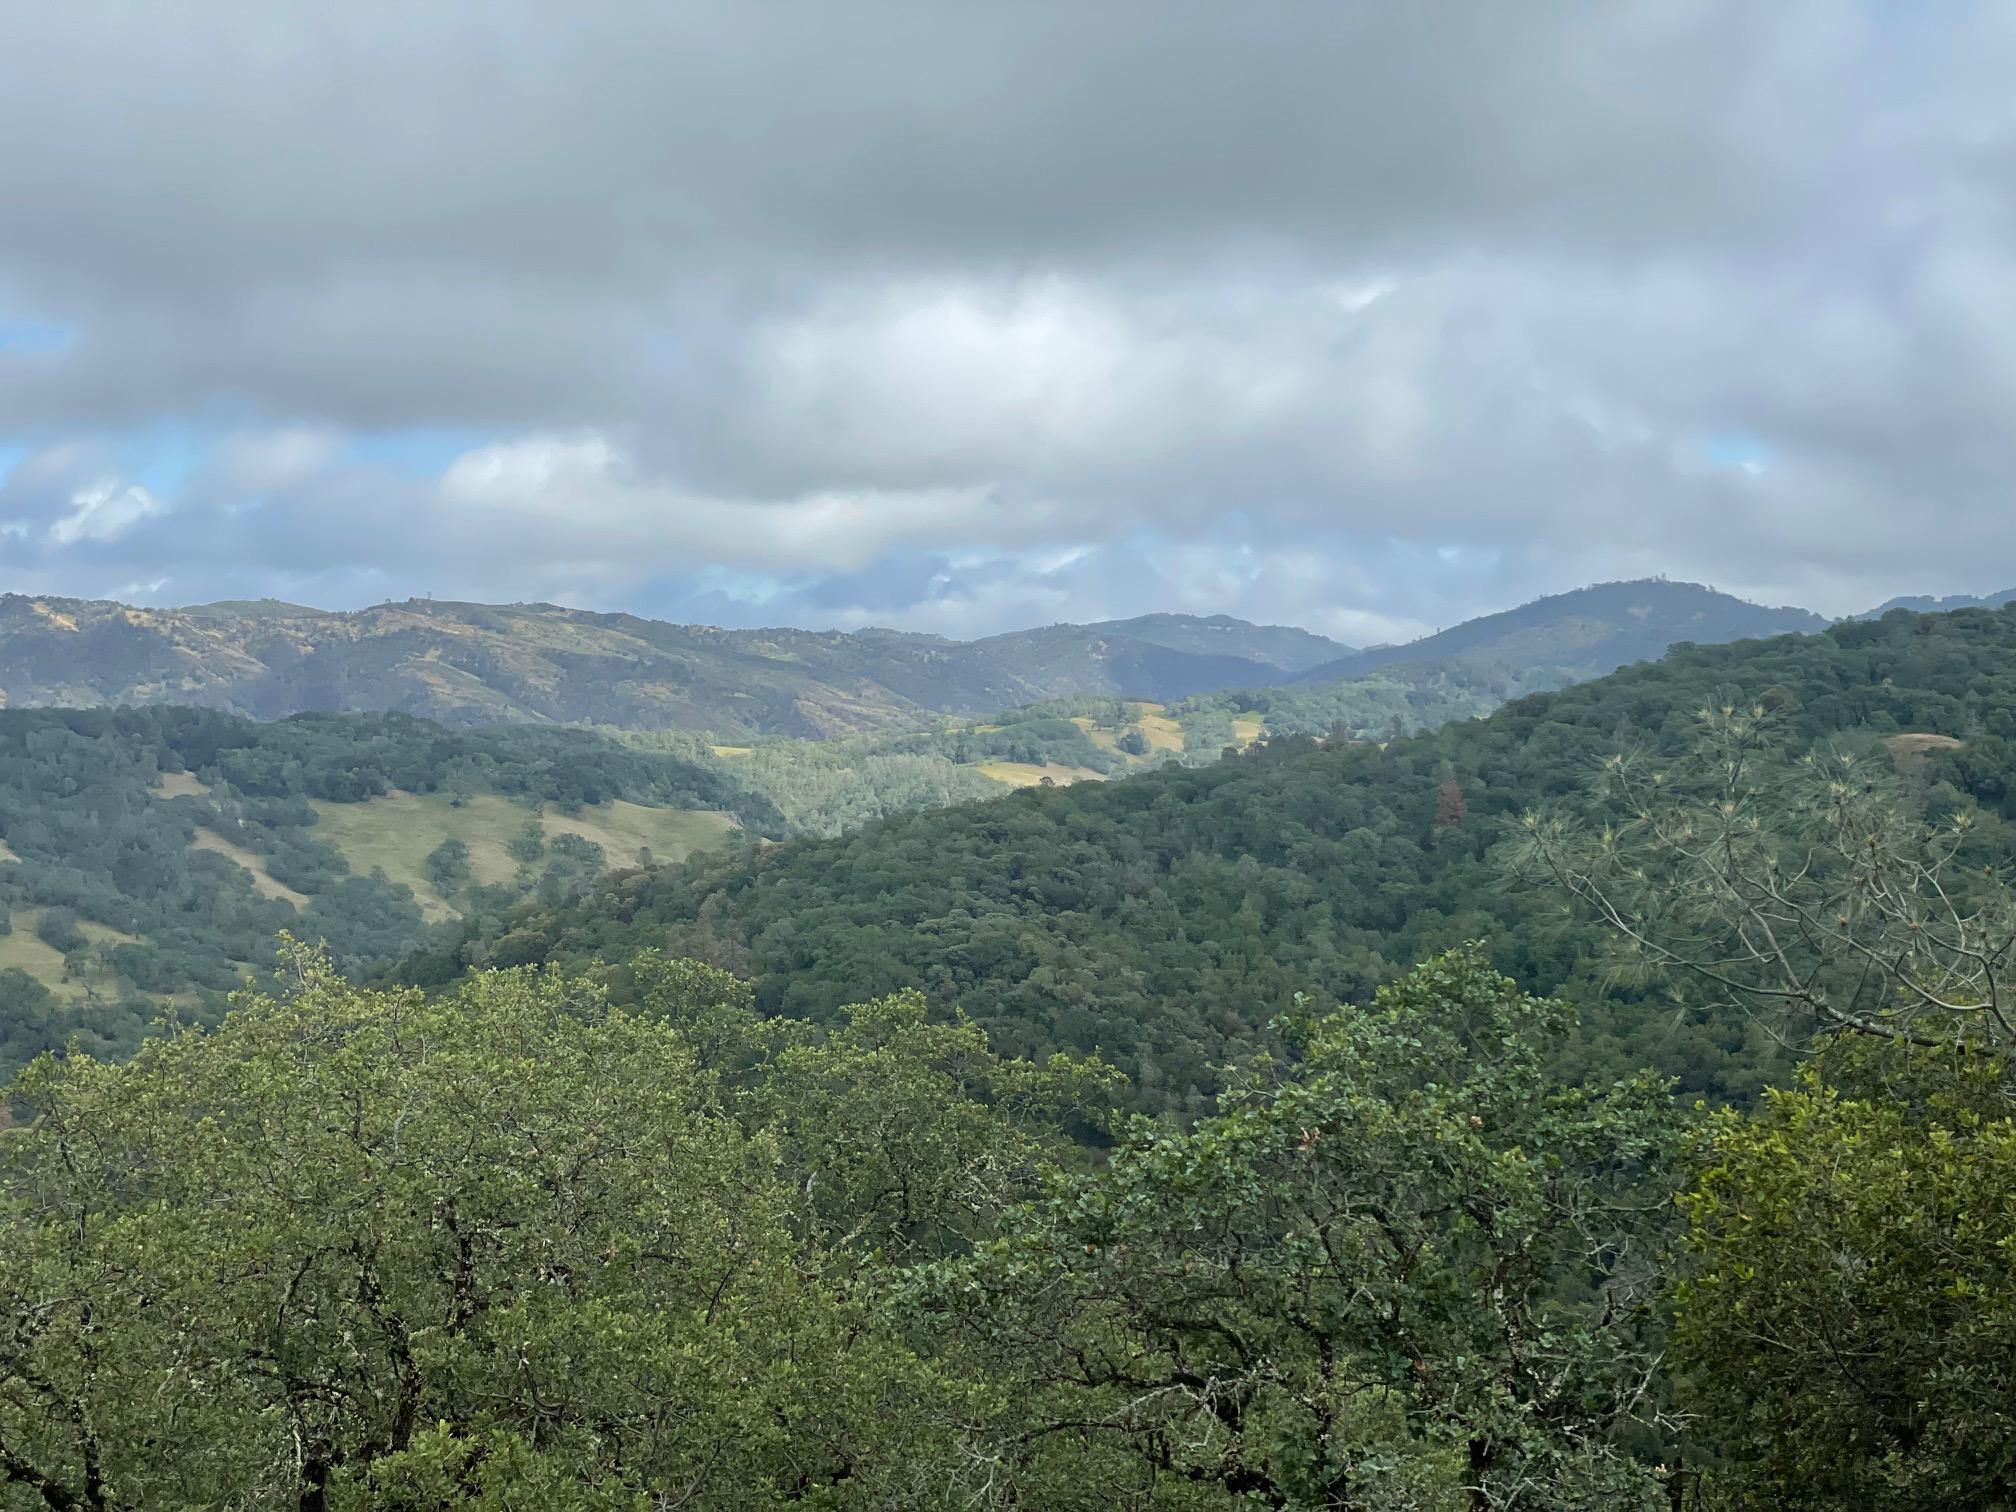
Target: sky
(1355, 315)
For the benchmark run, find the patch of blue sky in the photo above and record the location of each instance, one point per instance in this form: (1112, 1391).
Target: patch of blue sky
(740, 586)
(1736, 449)
(36, 338)
(420, 451)
(161, 457)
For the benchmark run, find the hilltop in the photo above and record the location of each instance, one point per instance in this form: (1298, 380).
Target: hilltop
(540, 663)
(1586, 633)
(471, 664)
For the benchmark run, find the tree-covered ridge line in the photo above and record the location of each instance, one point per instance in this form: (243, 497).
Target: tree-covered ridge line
(1586, 632)
(1166, 919)
(155, 852)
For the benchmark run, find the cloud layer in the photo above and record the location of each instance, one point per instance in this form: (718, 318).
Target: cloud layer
(1363, 316)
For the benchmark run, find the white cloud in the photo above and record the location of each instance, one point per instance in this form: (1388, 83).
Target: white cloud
(583, 498)
(104, 511)
(760, 290)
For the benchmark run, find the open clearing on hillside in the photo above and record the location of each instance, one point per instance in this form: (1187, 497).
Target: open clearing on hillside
(1917, 744)
(43, 962)
(177, 785)
(254, 864)
(1246, 728)
(1910, 751)
(27, 950)
(1027, 773)
(1162, 732)
(1100, 736)
(398, 831)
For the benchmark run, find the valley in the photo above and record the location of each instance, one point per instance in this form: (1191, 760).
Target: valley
(1043, 757)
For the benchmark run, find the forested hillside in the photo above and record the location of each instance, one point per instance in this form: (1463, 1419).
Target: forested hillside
(1166, 919)
(150, 858)
(824, 787)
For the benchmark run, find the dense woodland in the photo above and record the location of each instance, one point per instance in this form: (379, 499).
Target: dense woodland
(1165, 920)
(1161, 1144)
(130, 830)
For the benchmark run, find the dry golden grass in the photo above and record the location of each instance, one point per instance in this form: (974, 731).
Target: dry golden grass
(1023, 774)
(396, 833)
(27, 950)
(1909, 752)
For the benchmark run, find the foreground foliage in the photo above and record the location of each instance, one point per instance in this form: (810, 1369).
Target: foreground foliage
(1406, 1270)
(356, 1248)
(1806, 889)
(1850, 1320)
(514, 1247)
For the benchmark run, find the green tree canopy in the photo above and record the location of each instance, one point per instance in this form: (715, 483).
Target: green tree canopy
(1850, 1321)
(507, 1247)
(1406, 1270)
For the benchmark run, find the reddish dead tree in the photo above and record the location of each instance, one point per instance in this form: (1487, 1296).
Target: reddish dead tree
(1450, 809)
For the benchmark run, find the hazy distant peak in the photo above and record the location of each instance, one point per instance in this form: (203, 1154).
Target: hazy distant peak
(1926, 603)
(1590, 631)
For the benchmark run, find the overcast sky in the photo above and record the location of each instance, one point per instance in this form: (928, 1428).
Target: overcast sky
(1357, 315)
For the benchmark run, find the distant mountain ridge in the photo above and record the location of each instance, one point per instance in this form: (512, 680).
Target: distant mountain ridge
(1589, 632)
(1220, 635)
(1932, 603)
(468, 664)
(541, 663)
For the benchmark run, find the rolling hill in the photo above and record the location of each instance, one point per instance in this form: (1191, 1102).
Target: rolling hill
(537, 663)
(150, 857)
(1586, 633)
(1166, 919)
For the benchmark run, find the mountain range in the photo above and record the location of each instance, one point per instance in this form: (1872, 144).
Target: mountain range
(471, 664)
(1932, 603)
(537, 663)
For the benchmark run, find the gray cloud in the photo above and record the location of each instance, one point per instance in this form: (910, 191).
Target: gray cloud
(1369, 316)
